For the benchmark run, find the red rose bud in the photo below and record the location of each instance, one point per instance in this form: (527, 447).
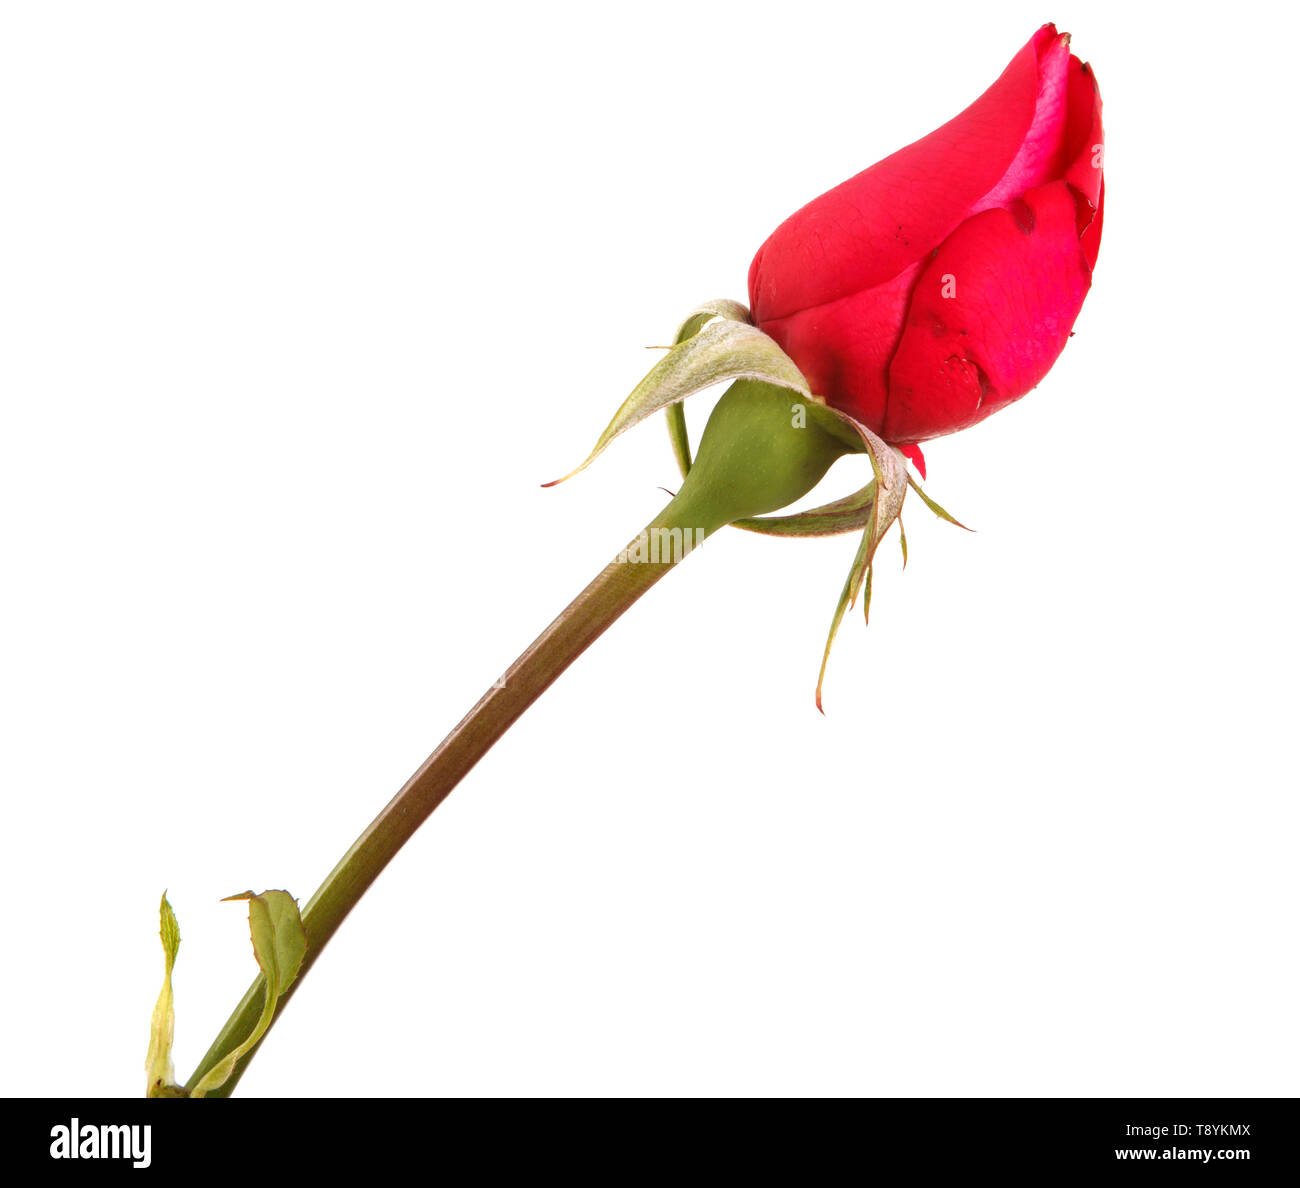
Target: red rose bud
(941, 284)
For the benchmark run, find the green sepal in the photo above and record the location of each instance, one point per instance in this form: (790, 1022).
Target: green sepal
(279, 944)
(705, 312)
(725, 308)
(722, 350)
(852, 584)
(891, 486)
(850, 514)
(934, 507)
(679, 436)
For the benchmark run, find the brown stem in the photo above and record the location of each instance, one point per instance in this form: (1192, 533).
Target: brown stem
(754, 458)
(615, 589)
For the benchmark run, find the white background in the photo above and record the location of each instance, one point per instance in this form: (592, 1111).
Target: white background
(300, 305)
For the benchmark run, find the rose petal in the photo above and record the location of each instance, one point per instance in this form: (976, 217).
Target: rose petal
(870, 228)
(1017, 278)
(1085, 140)
(844, 347)
(1041, 156)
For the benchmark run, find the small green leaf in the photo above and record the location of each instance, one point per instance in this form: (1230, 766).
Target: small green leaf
(279, 939)
(902, 539)
(158, 1061)
(722, 350)
(279, 944)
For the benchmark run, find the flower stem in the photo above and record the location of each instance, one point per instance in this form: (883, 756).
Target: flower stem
(751, 461)
(586, 618)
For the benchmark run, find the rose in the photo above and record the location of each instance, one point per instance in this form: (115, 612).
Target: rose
(942, 283)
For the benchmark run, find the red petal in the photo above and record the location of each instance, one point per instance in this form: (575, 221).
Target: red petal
(913, 454)
(1090, 240)
(873, 226)
(1020, 277)
(844, 348)
(1042, 155)
(1085, 139)
(1086, 145)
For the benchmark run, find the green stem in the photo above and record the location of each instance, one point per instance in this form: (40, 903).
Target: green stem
(751, 462)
